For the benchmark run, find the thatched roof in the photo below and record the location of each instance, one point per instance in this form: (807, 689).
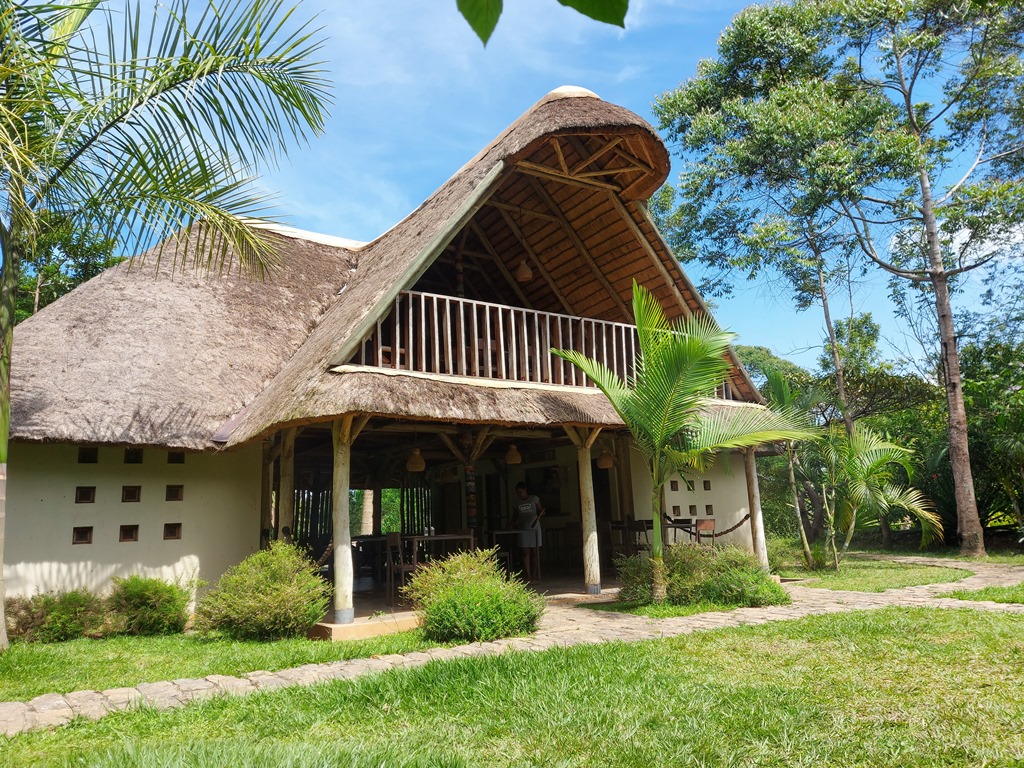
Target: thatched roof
(146, 355)
(197, 361)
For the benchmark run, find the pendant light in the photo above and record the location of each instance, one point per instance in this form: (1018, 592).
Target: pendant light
(605, 460)
(512, 455)
(415, 462)
(523, 273)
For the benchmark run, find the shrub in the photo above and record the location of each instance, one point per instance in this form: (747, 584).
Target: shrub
(698, 574)
(469, 597)
(54, 617)
(142, 606)
(273, 593)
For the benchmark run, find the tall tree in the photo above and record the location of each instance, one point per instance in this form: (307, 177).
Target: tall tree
(138, 123)
(903, 121)
(668, 403)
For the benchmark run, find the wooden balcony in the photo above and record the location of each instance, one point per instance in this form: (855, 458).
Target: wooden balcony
(449, 336)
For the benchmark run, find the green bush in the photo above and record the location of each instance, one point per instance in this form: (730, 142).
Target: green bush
(273, 593)
(469, 597)
(142, 606)
(54, 617)
(698, 574)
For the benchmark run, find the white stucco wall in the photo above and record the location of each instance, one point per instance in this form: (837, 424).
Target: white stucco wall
(727, 496)
(219, 515)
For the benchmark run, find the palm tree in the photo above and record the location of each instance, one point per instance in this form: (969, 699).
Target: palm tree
(667, 403)
(860, 473)
(137, 124)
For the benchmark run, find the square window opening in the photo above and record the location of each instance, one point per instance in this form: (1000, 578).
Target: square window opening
(175, 493)
(693, 509)
(85, 494)
(131, 493)
(673, 485)
(172, 531)
(81, 534)
(88, 454)
(707, 485)
(132, 455)
(709, 510)
(128, 533)
(175, 457)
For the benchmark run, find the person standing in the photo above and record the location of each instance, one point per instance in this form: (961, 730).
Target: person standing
(527, 512)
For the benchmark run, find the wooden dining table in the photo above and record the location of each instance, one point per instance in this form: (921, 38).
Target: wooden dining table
(425, 547)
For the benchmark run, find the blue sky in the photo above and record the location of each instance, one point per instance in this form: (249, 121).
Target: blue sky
(417, 95)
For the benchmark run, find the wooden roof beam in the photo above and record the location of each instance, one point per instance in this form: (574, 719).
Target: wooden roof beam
(518, 209)
(542, 193)
(551, 174)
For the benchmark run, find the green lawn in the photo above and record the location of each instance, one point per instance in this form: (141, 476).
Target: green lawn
(663, 611)
(30, 669)
(995, 594)
(914, 688)
(862, 575)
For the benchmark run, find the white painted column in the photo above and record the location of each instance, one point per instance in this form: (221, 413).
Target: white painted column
(366, 528)
(588, 512)
(344, 610)
(754, 505)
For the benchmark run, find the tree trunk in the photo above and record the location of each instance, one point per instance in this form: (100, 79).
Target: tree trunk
(972, 540)
(833, 344)
(850, 530)
(756, 516)
(883, 525)
(808, 557)
(8, 289)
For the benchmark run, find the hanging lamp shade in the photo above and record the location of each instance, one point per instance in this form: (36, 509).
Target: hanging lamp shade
(512, 455)
(605, 460)
(415, 462)
(523, 273)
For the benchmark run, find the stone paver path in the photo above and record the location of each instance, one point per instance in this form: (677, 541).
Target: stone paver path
(562, 625)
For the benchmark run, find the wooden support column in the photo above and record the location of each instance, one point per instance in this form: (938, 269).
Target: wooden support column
(286, 504)
(344, 431)
(754, 505)
(266, 496)
(584, 439)
(366, 526)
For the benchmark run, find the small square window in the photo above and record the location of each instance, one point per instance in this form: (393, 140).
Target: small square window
(175, 457)
(175, 493)
(172, 531)
(689, 485)
(132, 455)
(85, 494)
(81, 534)
(707, 485)
(130, 493)
(709, 510)
(673, 485)
(129, 533)
(676, 510)
(88, 454)
(693, 509)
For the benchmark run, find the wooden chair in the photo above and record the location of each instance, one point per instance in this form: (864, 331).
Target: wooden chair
(705, 527)
(398, 562)
(638, 537)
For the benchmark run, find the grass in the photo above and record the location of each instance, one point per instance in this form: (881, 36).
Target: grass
(863, 575)
(910, 687)
(662, 611)
(31, 669)
(994, 594)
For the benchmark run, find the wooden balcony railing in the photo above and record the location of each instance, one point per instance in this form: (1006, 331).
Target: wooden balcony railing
(430, 333)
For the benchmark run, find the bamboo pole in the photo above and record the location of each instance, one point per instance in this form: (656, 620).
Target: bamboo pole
(754, 505)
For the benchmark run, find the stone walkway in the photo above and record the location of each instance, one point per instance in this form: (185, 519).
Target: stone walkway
(562, 625)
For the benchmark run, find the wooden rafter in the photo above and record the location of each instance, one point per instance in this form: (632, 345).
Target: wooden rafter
(584, 252)
(518, 209)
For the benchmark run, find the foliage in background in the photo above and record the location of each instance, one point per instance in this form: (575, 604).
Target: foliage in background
(895, 130)
(697, 574)
(147, 606)
(468, 597)
(55, 617)
(274, 593)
